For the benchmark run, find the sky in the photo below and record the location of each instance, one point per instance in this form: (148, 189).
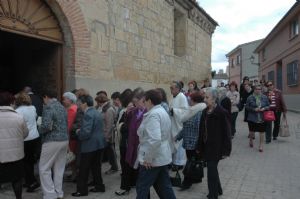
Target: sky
(241, 21)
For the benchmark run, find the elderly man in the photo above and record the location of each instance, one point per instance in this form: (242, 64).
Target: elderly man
(178, 106)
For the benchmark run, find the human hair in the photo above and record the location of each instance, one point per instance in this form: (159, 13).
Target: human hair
(101, 98)
(233, 83)
(115, 95)
(102, 92)
(126, 97)
(6, 98)
(22, 98)
(71, 96)
(51, 93)
(213, 92)
(138, 93)
(269, 81)
(154, 95)
(195, 84)
(177, 84)
(81, 92)
(197, 97)
(181, 84)
(86, 99)
(163, 94)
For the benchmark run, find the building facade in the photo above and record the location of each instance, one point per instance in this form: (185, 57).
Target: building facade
(239, 62)
(279, 55)
(99, 44)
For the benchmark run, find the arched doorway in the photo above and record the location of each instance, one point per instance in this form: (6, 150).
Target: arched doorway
(31, 43)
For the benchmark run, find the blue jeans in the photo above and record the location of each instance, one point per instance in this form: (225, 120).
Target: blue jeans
(159, 178)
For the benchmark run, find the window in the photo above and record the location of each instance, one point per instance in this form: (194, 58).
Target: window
(180, 41)
(294, 28)
(292, 73)
(232, 63)
(271, 76)
(238, 60)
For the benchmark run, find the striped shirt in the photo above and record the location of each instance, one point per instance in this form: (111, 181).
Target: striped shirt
(272, 100)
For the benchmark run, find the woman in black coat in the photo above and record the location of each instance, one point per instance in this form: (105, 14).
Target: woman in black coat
(214, 143)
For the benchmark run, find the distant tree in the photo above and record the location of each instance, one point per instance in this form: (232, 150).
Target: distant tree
(213, 73)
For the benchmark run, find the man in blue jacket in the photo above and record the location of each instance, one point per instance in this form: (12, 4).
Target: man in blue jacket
(92, 143)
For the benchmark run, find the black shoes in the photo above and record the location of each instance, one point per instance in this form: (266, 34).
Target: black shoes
(274, 138)
(31, 188)
(111, 171)
(78, 194)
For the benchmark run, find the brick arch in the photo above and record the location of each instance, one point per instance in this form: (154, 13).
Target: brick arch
(77, 38)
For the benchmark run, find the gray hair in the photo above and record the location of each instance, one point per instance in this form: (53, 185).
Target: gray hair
(70, 96)
(222, 93)
(213, 92)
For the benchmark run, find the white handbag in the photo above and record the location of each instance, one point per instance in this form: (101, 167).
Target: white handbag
(284, 128)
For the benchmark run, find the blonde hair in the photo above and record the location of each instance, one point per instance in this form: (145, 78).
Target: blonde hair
(22, 99)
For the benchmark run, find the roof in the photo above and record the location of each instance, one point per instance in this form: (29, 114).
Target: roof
(279, 26)
(204, 12)
(242, 45)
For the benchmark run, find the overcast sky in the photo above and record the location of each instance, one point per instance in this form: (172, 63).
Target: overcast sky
(241, 21)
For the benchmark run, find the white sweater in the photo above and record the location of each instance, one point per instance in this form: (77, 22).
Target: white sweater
(29, 115)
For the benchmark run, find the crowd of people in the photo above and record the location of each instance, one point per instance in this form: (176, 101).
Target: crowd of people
(151, 135)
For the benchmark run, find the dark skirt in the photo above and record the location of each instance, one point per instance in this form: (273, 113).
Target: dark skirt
(257, 127)
(11, 171)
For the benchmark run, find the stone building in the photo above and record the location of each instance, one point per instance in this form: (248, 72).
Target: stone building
(103, 44)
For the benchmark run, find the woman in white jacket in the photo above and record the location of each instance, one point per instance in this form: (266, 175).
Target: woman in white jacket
(32, 142)
(154, 152)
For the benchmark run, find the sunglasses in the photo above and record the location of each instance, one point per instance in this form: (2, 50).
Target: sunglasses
(270, 85)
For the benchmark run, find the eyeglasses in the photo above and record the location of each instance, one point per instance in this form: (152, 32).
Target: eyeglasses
(270, 85)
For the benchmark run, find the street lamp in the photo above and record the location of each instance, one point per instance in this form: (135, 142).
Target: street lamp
(252, 60)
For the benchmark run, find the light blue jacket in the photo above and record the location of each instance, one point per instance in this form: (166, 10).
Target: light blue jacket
(91, 134)
(251, 105)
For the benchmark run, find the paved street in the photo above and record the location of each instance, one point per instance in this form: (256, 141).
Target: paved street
(247, 174)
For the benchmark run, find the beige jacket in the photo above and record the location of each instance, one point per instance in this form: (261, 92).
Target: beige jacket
(13, 130)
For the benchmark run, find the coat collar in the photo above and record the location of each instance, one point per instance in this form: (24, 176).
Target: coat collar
(6, 109)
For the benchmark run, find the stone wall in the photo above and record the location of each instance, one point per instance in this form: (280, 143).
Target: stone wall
(132, 44)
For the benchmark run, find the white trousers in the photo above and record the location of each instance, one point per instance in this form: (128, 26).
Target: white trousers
(52, 167)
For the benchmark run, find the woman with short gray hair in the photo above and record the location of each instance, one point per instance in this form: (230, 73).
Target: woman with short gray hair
(214, 141)
(69, 102)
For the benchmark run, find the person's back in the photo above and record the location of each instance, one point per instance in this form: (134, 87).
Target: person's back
(54, 122)
(92, 139)
(30, 115)
(13, 130)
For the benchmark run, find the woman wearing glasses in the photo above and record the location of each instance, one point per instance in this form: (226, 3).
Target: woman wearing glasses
(256, 104)
(277, 105)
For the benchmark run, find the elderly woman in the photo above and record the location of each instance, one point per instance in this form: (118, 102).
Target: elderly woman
(190, 131)
(92, 142)
(12, 133)
(32, 142)
(214, 141)
(69, 102)
(54, 134)
(154, 152)
(256, 104)
(109, 116)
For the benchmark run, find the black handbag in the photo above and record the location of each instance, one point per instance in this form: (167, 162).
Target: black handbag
(194, 169)
(176, 181)
(240, 106)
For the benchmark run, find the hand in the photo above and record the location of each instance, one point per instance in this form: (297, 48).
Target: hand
(147, 165)
(224, 156)
(257, 109)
